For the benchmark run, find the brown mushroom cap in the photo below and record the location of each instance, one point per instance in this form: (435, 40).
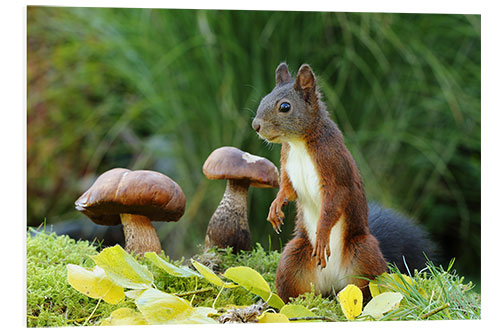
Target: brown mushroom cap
(232, 163)
(142, 192)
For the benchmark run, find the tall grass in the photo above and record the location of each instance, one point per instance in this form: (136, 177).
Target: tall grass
(160, 89)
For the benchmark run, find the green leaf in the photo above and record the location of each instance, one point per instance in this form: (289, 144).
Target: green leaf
(94, 283)
(124, 316)
(296, 311)
(382, 303)
(271, 317)
(158, 307)
(171, 269)
(122, 268)
(248, 278)
(351, 301)
(275, 301)
(211, 276)
(251, 280)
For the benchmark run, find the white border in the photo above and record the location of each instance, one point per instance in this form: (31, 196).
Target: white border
(13, 139)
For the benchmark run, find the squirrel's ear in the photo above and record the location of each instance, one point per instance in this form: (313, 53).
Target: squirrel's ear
(282, 74)
(306, 82)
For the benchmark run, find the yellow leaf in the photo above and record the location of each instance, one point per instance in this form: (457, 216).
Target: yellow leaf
(251, 280)
(159, 308)
(401, 284)
(123, 269)
(382, 303)
(390, 282)
(375, 288)
(170, 268)
(296, 311)
(270, 317)
(351, 301)
(134, 293)
(199, 315)
(248, 278)
(211, 276)
(124, 316)
(94, 283)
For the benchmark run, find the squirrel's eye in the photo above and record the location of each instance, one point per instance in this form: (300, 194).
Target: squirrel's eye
(285, 107)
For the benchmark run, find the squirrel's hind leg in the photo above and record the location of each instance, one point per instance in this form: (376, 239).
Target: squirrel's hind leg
(367, 260)
(296, 268)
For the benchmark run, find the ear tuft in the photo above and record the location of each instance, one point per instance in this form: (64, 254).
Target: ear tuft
(305, 83)
(282, 74)
(305, 78)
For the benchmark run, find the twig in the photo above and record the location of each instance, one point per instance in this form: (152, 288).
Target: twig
(312, 318)
(189, 293)
(436, 310)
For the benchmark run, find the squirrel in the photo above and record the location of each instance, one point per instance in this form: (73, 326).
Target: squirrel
(334, 243)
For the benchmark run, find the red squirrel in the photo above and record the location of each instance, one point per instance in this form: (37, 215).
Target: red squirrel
(332, 245)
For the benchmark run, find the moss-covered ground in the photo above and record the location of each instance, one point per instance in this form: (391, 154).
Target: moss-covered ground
(51, 301)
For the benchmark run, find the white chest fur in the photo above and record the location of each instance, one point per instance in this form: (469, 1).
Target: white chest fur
(304, 177)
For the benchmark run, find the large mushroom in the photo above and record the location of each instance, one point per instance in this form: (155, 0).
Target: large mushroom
(229, 223)
(134, 199)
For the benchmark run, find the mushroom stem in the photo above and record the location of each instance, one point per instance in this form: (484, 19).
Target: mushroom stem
(140, 235)
(229, 224)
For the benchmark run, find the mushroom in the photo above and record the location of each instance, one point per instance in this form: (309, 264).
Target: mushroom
(229, 224)
(133, 198)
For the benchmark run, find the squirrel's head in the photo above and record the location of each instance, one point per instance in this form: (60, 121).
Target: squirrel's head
(290, 108)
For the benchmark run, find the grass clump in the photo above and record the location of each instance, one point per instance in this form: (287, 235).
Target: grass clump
(437, 293)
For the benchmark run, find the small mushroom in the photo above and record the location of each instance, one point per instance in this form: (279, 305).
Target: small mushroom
(229, 223)
(133, 198)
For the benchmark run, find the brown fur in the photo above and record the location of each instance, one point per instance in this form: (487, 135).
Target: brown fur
(297, 255)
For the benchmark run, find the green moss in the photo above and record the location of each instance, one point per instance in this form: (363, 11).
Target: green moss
(51, 301)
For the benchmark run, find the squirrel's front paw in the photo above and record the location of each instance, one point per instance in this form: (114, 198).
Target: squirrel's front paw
(276, 215)
(321, 251)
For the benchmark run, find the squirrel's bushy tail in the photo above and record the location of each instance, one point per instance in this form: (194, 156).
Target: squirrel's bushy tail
(400, 237)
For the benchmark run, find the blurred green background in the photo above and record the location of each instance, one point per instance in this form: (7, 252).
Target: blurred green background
(160, 89)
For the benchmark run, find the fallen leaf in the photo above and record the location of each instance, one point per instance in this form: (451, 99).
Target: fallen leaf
(382, 303)
(123, 269)
(296, 311)
(171, 269)
(124, 316)
(351, 301)
(251, 280)
(211, 276)
(271, 317)
(94, 283)
(159, 308)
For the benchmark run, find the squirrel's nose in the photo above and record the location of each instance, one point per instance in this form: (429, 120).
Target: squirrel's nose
(256, 125)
